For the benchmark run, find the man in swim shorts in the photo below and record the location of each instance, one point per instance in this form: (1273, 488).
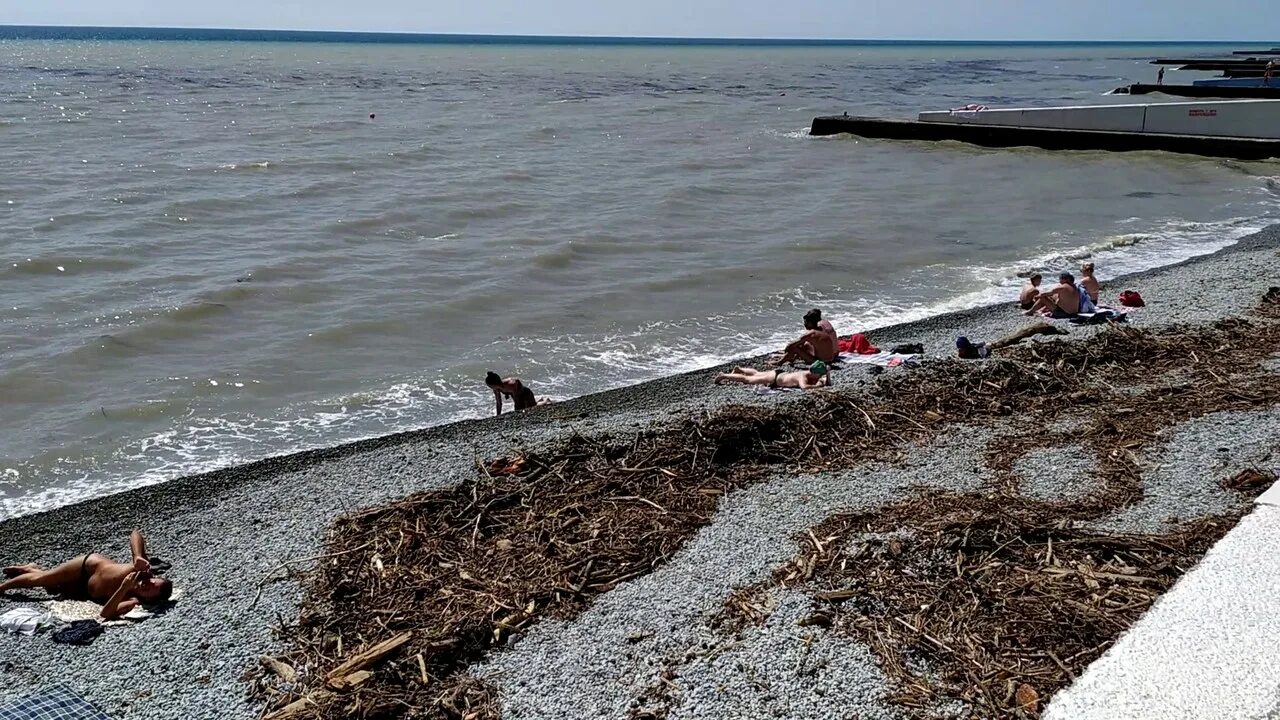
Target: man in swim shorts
(511, 387)
(1059, 302)
(1030, 291)
(815, 344)
(118, 587)
(816, 376)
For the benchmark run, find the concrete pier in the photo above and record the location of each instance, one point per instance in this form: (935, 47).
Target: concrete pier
(1046, 138)
(1203, 91)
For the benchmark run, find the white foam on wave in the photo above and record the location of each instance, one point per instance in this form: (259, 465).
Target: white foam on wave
(1168, 243)
(260, 165)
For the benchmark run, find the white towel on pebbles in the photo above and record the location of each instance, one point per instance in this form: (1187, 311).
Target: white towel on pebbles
(24, 621)
(883, 359)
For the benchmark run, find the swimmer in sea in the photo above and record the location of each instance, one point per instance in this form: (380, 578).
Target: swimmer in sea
(511, 387)
(816, 376)
(117, 587)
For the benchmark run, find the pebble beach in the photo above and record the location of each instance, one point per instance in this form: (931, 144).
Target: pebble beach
(234, 535)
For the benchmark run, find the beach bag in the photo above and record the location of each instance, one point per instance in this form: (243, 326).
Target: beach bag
(1131, 298)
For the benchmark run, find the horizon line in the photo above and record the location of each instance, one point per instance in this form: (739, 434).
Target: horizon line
(49, 32)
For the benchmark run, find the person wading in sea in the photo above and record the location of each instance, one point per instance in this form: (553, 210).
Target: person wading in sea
(510, 387)
(118, 587)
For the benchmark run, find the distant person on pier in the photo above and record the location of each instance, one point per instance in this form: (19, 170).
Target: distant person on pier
(814, 344)
(1090, 283)
(117, 587)
(1160, 77)
(1030, 291)
(510, 387)
(816, 376)
(1059, 302)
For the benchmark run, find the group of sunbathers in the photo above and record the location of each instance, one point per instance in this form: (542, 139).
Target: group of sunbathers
(817, 347)
(1065, 300)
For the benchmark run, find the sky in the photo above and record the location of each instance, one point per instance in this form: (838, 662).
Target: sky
(1243, 20)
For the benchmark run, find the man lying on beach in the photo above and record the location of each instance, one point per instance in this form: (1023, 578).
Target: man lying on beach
(513, 388)
(815, 344)
(117, 587)
(1030, 291)
(815, 376)
(1059, 302)
(1090, 283)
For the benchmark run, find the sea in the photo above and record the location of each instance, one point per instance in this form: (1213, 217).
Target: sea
(217, 248)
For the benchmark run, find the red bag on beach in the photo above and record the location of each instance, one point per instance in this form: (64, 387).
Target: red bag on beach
(856, 344)
(1131, 298)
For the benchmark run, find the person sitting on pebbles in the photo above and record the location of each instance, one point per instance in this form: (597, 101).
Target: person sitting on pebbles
(815, 344)
(1090, 283)
(117, 587)
(816, 376)
(1059, 302)
(1030, 291)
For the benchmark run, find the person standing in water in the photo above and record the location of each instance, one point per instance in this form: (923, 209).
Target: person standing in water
(511, 387)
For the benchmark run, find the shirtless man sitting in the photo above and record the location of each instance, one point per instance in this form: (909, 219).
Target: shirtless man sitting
(521, 396)
(823, 325)
(815, 344)
(816, 376)
(118, 587)
(1090, 282)
(1060, 301)
(1030, 291)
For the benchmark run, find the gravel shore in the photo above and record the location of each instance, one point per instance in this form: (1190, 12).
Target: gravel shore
(228, 532)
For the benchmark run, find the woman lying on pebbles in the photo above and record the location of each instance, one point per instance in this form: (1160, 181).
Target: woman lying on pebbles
(118, 587)
(815, 376)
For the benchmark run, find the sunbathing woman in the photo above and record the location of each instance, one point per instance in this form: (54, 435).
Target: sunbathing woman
(815, 376)
(118, 587)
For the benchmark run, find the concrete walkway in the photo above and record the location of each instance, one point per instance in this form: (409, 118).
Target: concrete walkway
(1208, 650)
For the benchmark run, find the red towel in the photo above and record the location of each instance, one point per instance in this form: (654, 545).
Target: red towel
(857, 344)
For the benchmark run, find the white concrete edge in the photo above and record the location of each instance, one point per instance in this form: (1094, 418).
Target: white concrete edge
(1271, 496)
(1209, 649)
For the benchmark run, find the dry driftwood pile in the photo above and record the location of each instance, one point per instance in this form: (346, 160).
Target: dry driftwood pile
(998, 600)
(410, 594)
